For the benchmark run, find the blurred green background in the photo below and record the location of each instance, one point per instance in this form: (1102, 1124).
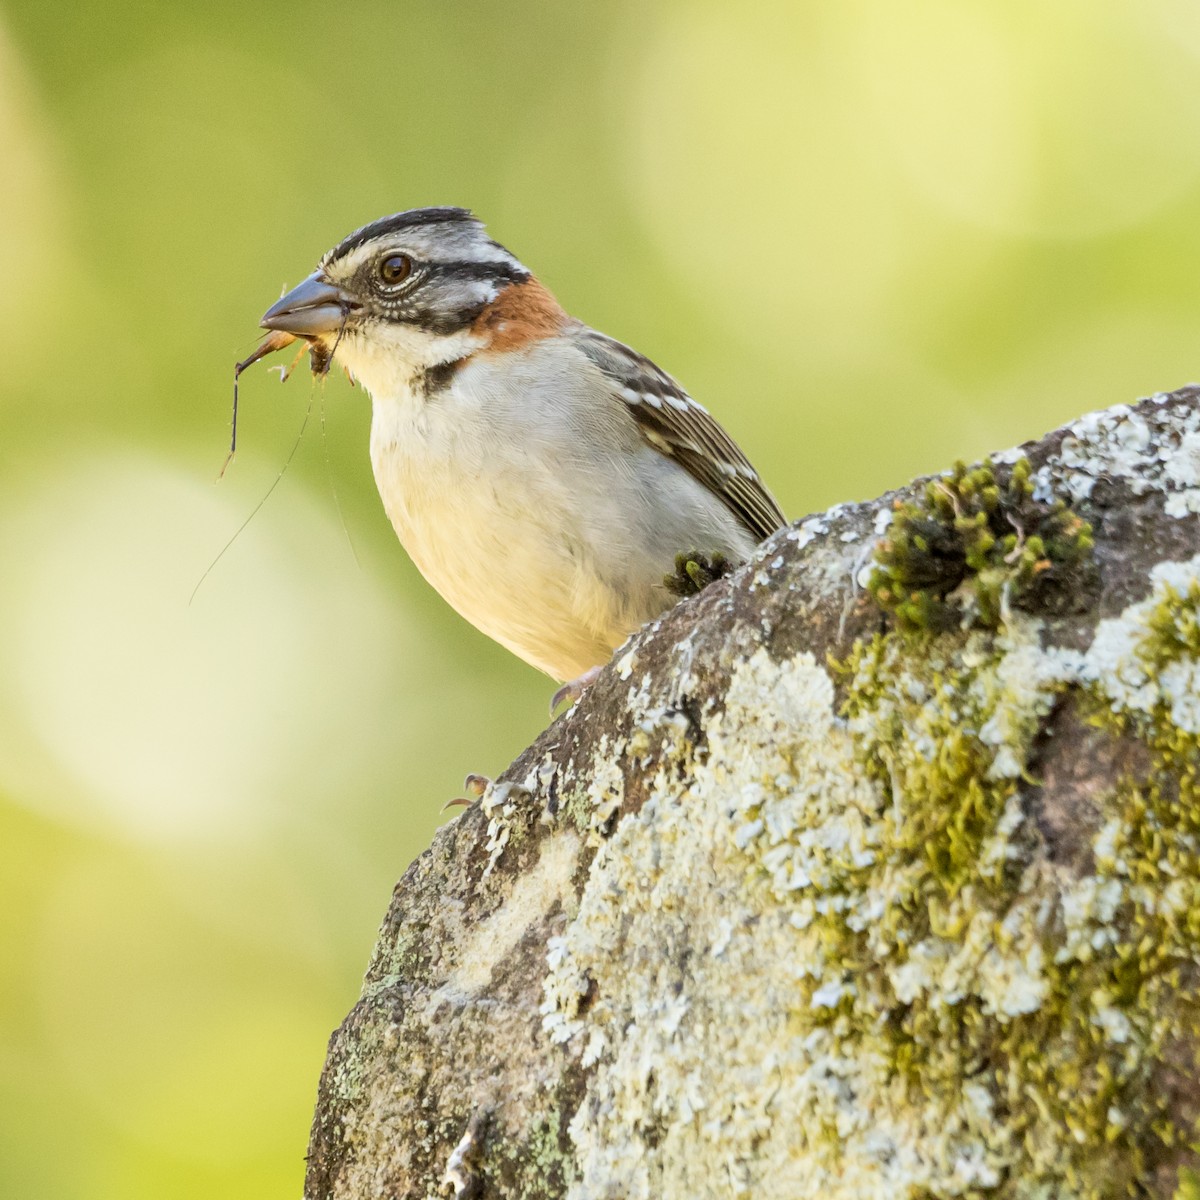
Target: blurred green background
(872, 237)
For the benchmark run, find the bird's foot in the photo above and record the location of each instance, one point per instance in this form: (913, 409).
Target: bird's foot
(475, 785)
(573, 689)
(695, 571)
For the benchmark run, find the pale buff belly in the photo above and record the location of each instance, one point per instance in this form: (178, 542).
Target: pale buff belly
(503, 554)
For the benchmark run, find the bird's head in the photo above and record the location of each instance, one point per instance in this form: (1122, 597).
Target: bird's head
(402, 295)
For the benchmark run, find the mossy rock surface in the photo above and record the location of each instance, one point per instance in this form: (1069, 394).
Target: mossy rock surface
(827, 890)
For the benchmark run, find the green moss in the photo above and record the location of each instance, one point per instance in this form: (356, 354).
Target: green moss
(971, 544)
(1156, 853)
(959, 806)
(1062, 1007)
(695, 571)
(1189, 1185)
(1173, 629)
(955, 1007)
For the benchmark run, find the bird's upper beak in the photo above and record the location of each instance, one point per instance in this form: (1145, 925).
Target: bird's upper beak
(310, 309)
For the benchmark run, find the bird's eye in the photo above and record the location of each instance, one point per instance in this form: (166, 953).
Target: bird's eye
(395, 268)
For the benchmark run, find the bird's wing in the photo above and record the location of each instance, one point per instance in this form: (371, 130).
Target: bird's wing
(674, 424)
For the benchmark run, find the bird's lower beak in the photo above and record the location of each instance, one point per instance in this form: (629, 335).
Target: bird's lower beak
(310, 309)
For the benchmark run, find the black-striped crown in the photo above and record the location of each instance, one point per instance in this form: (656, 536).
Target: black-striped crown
(457, 269)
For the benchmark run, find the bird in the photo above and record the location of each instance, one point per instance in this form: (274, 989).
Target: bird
(542, 476)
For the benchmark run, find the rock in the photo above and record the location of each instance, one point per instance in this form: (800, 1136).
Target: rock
(813, 896)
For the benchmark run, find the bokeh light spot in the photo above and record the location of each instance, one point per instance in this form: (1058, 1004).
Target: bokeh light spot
(130, 708)
(1059, 120)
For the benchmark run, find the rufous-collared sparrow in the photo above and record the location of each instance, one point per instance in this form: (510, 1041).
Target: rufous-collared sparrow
(542, 476)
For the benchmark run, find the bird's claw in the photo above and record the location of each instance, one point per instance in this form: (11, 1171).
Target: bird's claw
(475, 786)
(573, 689)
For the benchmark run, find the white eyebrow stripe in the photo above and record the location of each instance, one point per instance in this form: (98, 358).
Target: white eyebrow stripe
(491, 252)
(431, 244)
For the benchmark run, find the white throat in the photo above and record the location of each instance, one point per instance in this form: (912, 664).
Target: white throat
(387, 359)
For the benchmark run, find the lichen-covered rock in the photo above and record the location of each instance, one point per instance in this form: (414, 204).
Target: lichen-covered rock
(814, 896)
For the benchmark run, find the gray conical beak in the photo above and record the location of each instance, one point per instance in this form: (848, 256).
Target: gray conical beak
(310, 309)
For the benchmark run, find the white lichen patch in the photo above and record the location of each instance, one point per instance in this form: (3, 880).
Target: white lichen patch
(808, 531)
(1015, 696)
(760, 951)
(605, 790)
(484, 946)
(1153, 450)
(729, 1073)
(501, 803)
(1118, 664)
(1183, 468)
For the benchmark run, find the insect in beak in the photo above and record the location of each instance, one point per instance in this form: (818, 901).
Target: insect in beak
(269, 345)
(320, 356)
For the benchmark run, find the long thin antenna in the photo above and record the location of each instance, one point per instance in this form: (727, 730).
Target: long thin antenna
(337, 500)
(266, 497)
(233, 426)
(271, 343)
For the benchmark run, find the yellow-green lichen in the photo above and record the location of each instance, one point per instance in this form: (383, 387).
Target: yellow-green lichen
(537, 1164)
(575, 808)
(972, 544)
